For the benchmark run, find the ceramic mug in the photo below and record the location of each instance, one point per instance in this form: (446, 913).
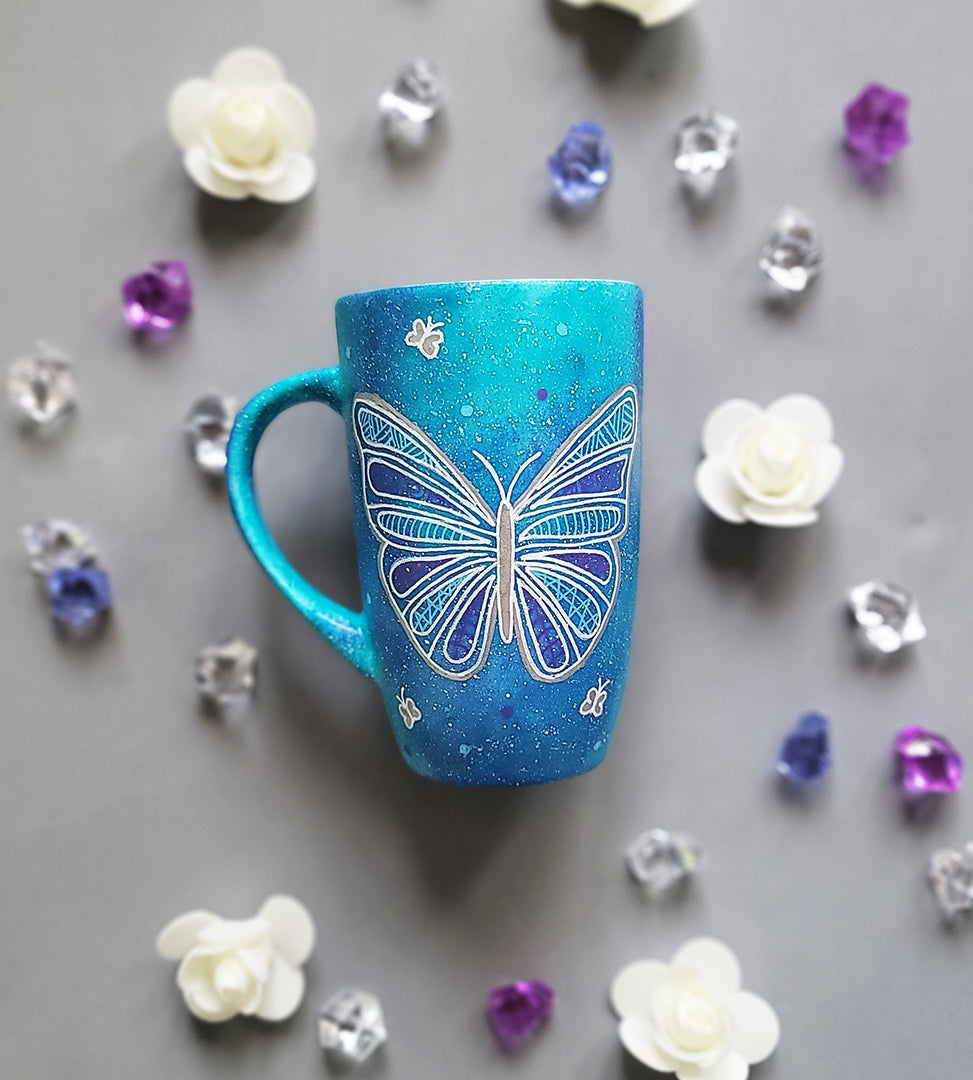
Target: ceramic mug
(494, 445)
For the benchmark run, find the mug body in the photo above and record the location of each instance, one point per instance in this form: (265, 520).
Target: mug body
(494, 444)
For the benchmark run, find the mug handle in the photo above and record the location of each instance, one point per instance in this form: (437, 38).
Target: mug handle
(345, 629)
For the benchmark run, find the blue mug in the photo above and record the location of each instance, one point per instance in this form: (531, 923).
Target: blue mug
(495, 452)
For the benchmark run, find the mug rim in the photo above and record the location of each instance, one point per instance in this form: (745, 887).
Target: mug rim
(362, 294)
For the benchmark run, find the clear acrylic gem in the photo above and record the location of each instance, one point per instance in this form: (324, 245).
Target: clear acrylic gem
(659, 859)
(950, 876)
(226, 673)
(792, 256)
(887, 615)
(412, 101)
(705, 144)
(351, 1025)
(208, 426)
(55, 543)
(41, 385)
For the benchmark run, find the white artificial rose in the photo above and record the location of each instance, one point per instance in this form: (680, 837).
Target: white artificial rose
(648, 12)
(769, 466)
(690, 1016)
(248, 967)
(246, 130)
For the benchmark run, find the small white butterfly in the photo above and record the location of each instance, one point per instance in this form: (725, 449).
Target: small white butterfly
(594, 702)
(408, 709)
(426, 337)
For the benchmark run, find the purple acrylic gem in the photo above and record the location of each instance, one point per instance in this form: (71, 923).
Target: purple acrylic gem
(581, 165)
(518, 1010)
(876, 124)
(159, 298)
(928, 763)
(78, 596)
(805, 755)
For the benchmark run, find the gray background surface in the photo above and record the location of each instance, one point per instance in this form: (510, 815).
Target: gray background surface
(121, 806)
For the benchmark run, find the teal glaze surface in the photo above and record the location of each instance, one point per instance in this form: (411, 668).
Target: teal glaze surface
(520, 366)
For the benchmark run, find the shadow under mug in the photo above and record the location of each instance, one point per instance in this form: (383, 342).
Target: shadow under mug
(494, 445)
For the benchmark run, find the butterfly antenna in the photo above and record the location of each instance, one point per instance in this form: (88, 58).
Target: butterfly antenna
(493, 472)
(513, 483)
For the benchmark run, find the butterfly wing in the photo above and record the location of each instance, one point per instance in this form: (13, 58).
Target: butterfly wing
(437, 539)
(567, 526)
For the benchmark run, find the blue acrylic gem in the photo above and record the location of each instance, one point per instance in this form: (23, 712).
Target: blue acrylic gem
(805, 755)
(78, 596)
(581, 165)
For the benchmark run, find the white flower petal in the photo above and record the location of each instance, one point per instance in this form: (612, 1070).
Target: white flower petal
(635, 1033)
(716, 488)
(631, 989)
(296, 116)
(713, 960)
(297, 181)
(808, 412)
(756, 1029)
(206, 1005)
(781, 517)
(180, 934)
(187, 110)
(196, 163)
(250, 175)
(256, 959)
(727, 421)
(648, 12)
(283, 990)
(225, 934)
(291, 927)
(828, 466)
(244, 67)
(730, 1067)
(657, 12)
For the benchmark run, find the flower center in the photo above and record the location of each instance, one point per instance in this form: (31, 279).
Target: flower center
(690, 1016)
(699, 1021)
(774, 456)
(230, 980)
(245, 130)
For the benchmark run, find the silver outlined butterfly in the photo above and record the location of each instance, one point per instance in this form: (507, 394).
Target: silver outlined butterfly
(594, 702)
(542, 567)
(426, 337)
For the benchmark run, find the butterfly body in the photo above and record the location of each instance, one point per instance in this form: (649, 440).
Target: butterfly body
(542, 568)
(505, 571)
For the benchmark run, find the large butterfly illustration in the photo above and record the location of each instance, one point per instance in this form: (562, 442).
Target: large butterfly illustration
(543, 567)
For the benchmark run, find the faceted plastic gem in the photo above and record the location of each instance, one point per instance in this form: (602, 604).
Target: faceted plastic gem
(705, 144)
(55, 543)
(226, 673)
(78, 596)
(351, 1025)
(950, 876)
(876, 124)
(887, 615)
(208, 425)
(659, 859)
(791, 258)
(159, 298)
(41, 386)
(518, 1010)
(928, 763)
(805, 755)
(581, 166)
(409, 105)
